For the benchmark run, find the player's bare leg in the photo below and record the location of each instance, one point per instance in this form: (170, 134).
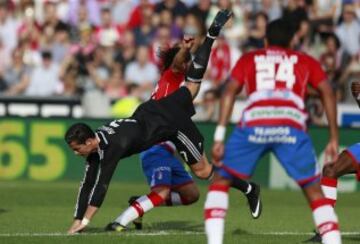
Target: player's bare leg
(324, 216)
(203, 169)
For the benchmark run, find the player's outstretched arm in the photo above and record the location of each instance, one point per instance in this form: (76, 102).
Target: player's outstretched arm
(226, 107)
(328, 100)
(198, 66)
(183, 55)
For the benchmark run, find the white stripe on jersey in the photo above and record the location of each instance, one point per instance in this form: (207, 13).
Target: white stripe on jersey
(190, 146)
(286, 95)
(96, 183)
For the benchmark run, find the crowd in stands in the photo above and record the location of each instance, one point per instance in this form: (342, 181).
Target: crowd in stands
(106, 50)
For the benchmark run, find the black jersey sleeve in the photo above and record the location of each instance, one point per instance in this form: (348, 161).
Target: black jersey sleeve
(86, 185)
(108, 164)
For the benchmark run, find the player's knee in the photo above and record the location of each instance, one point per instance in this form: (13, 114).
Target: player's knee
(193, 197)
(329, 171)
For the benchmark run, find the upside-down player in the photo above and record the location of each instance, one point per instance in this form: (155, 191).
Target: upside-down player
(275, 79)
(153, 122)
(165, 174)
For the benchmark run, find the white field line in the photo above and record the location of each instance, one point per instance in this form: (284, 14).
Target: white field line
(159, 233)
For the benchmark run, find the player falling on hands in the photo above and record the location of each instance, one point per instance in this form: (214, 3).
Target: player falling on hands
(165, 174)
(153, 122)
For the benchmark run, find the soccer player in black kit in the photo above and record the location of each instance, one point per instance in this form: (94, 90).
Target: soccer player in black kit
(153, 122)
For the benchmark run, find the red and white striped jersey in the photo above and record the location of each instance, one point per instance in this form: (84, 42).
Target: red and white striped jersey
(168, 83)
(275, 80)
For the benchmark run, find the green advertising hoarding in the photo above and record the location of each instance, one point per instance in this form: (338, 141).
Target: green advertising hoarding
(34, 149)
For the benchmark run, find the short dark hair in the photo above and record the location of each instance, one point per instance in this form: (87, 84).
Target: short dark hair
(280, 32)
(79, 133)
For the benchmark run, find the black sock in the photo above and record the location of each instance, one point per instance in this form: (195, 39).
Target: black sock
(199, 64)
(240, 184)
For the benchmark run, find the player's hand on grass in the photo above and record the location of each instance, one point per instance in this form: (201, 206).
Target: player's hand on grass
(76, 227)
(331, 151)
(217, 153)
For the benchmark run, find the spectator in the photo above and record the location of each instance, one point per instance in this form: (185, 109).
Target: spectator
(177, 8)
(296, 11)
(116, 87)
(29, 30)
(61, 44)
(257, 33)
(161, 41)
(107, 34)
(166, 19)
(8, 28)
(145, 32)
(136, 16)
(92, 8)
(5, 58)
(44, 79)
(201, 9)
(127, 52)
(121, 10)
(322, 15)
(220, 62)
(349, 32)
(51, 20)
(142, 72)
(16, 76)
(193, 26)
(272, 8)
(82, 21)
(95, 101)
(235, 30)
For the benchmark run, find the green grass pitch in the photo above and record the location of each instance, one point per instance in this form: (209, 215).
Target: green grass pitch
(42, 212)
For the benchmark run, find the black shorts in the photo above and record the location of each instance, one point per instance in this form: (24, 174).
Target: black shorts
(170, 119)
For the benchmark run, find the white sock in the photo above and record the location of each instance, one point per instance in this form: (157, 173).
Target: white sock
(326, 221)
(216, 205)
(329, 187)
(137, 209)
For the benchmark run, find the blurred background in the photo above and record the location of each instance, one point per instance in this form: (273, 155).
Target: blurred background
(98, 58)
(65, 60)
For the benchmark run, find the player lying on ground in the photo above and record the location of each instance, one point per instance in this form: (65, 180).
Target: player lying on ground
(152, 122)
(165, 174)
(275, 79)
(348, 162)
